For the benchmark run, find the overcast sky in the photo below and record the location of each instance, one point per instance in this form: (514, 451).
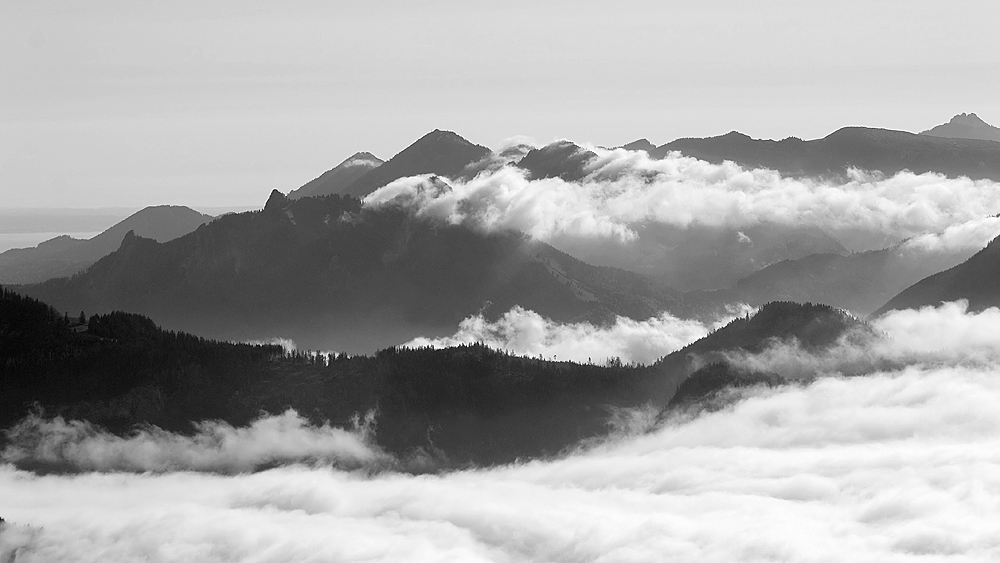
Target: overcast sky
(123, 103)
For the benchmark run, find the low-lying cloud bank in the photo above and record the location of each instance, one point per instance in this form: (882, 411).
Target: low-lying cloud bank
(624, 189)
(527, 333)
(932, 336)
(215, 446)
(900, 466)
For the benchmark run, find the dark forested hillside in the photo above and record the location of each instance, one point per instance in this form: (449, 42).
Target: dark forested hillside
(333, 275)
(467, 404)
(117, 368)
(813, 326)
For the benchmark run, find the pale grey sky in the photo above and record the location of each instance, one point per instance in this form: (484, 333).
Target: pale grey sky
(123, 103)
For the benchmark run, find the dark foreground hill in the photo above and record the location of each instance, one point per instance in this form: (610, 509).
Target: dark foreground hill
(333, 275)
(467, 404)
(881, 150)
(63, 256)
(814, 327)
(976, 280)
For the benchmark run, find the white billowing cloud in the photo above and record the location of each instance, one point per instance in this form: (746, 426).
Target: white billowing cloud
(216, 446)
(527, 333)
(627, 188)
(944, 335)
(969, 236)
(901, 466)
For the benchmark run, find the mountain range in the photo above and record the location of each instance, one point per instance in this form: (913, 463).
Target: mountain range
(883, 150)
(64, 255)
(439, 152)
(326, 271)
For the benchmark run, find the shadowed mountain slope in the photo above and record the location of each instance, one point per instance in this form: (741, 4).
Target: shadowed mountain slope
(63, 256)
(976, 280)
(336, 180)
(330, 274)
(881, 150)
(561, 159)
(439, 152)
(965, 126)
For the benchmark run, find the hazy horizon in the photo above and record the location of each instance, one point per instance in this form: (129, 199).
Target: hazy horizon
(115, 104)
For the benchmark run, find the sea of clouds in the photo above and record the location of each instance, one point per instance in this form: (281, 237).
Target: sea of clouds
(898, 463)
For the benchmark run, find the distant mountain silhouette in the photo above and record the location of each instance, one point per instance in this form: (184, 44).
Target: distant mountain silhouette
(336, 180)
(975, 279)
(859, 282)
(561, 159)
(439, 152)
(965, 126)
(640, 145)
(328, 273)
(881, 150)
(703, 256)
(63, 255)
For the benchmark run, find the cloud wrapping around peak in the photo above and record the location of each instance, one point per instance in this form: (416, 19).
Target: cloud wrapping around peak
(624, 189)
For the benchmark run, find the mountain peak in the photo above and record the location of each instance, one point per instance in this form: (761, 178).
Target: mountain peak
(969, 119)
(442, 136)
(440, 152)
(362, 158)
(640, 145)
(338, 178)
(965, 126)
(277, 200)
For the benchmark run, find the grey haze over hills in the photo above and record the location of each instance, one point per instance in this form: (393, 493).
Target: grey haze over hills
(965, 126)
(859, 282)
(64, 255)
